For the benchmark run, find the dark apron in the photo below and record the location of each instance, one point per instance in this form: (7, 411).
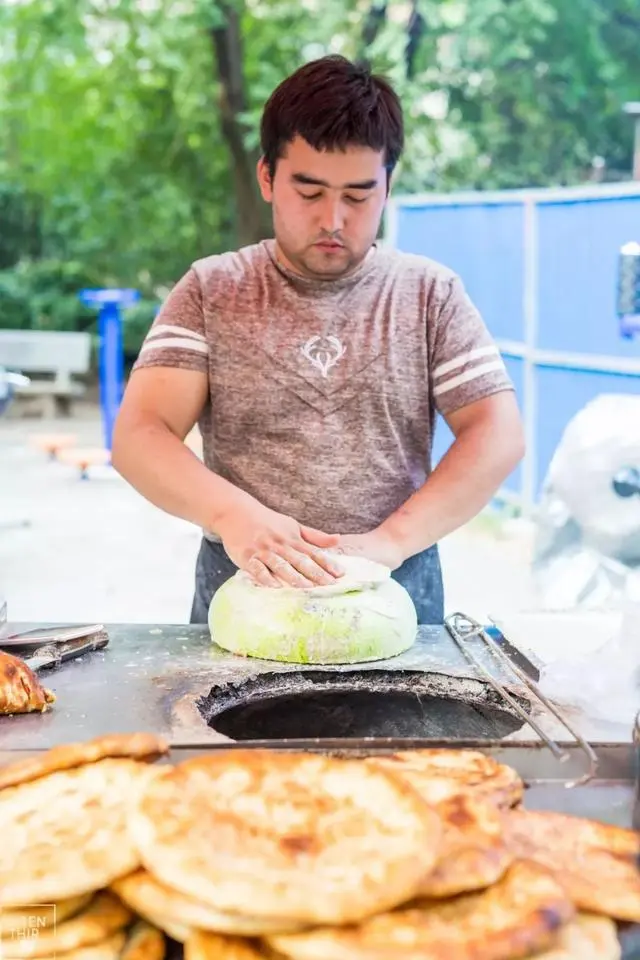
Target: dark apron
(420, 575)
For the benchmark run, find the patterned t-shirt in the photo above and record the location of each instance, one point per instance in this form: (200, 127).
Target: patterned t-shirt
(323, 394)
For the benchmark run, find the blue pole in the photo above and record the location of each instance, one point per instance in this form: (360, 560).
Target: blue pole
(111, 367)
(110, 350)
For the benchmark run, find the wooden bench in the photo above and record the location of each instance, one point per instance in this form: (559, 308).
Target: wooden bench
(9, 383)
(51, 359)
(84, 458)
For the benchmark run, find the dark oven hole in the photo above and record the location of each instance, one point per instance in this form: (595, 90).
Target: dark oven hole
(369, 703)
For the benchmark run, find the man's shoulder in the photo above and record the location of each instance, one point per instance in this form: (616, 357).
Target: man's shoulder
(418, 267)
(234, 265)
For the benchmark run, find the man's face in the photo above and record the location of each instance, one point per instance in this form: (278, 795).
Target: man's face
(327, 206)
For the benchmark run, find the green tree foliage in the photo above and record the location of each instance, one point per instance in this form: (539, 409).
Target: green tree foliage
(128, 128)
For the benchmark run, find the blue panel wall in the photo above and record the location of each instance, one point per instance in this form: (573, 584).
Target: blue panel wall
(561, 394)
(578, 245)
(441, 441)
(483, 244)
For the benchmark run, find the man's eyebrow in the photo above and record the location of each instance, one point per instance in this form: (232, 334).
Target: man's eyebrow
(308, 181)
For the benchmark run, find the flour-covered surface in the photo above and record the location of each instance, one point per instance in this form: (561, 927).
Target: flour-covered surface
(152, 678)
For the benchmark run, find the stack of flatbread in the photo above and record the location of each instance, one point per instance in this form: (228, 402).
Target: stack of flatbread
(248, 854)
(63, 840)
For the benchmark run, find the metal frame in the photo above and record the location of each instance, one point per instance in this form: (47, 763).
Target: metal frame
(527, 350)
(462, 629)
(566, 360)
(530, 314)
(617, 762)
(607, 191)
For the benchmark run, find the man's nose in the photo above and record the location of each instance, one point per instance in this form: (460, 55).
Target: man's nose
(332, 216)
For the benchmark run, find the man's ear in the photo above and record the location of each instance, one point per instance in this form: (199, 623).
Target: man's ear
(264, 180)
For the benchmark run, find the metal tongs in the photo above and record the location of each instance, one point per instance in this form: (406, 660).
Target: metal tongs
(463, 628)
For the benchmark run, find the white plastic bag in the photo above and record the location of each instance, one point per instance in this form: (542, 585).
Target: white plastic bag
(591, 661)
(604, 683)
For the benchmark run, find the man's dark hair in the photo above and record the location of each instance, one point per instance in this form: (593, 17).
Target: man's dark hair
(333, 103)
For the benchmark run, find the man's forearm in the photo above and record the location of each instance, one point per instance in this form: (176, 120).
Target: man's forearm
(462, 484)
(168, 474)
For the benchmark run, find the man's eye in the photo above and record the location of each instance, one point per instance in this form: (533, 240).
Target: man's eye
(356, 199)
(310, 196)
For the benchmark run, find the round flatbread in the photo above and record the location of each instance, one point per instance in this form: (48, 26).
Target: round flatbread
(473, 854)
(104, 916)
(144, 942)
(586, 938)
(66, 834)
(108, 949)
(520, 914)
(597, 864)
(43, 916)
(147, 896)
(212, 946)
(145, 747)
(438, 774)
(301, 837)
(177, 931)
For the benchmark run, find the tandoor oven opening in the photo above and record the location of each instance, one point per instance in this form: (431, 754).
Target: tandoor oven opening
(359, 703)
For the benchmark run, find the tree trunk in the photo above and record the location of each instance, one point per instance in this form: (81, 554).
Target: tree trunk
(373, 23)
(416, 29)
(253, 221)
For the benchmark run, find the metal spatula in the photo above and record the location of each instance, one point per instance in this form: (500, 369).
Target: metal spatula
(53, 655)
(45, 635)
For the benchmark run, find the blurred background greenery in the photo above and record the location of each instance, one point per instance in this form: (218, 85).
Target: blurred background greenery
(128, 128)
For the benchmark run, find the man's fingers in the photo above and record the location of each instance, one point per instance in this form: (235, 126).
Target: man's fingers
(318, 538)
(284, 572)
(298, 564)
(313, 537)
(259, 573)
(313, 569)
(328, 563)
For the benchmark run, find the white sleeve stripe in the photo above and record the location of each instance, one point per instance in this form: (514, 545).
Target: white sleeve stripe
(468, 376)
(164, 328)
(174, 343)
(463, 359)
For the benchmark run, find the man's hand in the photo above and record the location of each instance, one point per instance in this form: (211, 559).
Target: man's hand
(274, 549)
(375, 545)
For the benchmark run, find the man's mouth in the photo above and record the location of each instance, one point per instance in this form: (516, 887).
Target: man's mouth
(329, 245)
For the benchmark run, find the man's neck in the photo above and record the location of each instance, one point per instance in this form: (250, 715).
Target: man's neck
(289, 267)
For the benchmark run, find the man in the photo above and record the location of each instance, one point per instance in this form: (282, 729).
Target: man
(314, 364)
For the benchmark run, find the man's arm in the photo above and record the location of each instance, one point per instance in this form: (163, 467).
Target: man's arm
(473, 393)
(161, 406)
(488, 445)
(165, 396)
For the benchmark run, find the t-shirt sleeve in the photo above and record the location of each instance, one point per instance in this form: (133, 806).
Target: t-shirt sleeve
(177, 337)
(465, 361)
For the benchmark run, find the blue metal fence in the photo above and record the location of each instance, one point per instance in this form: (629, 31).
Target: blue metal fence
(541, 265)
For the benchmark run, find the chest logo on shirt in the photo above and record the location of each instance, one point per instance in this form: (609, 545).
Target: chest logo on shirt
(323, 353)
